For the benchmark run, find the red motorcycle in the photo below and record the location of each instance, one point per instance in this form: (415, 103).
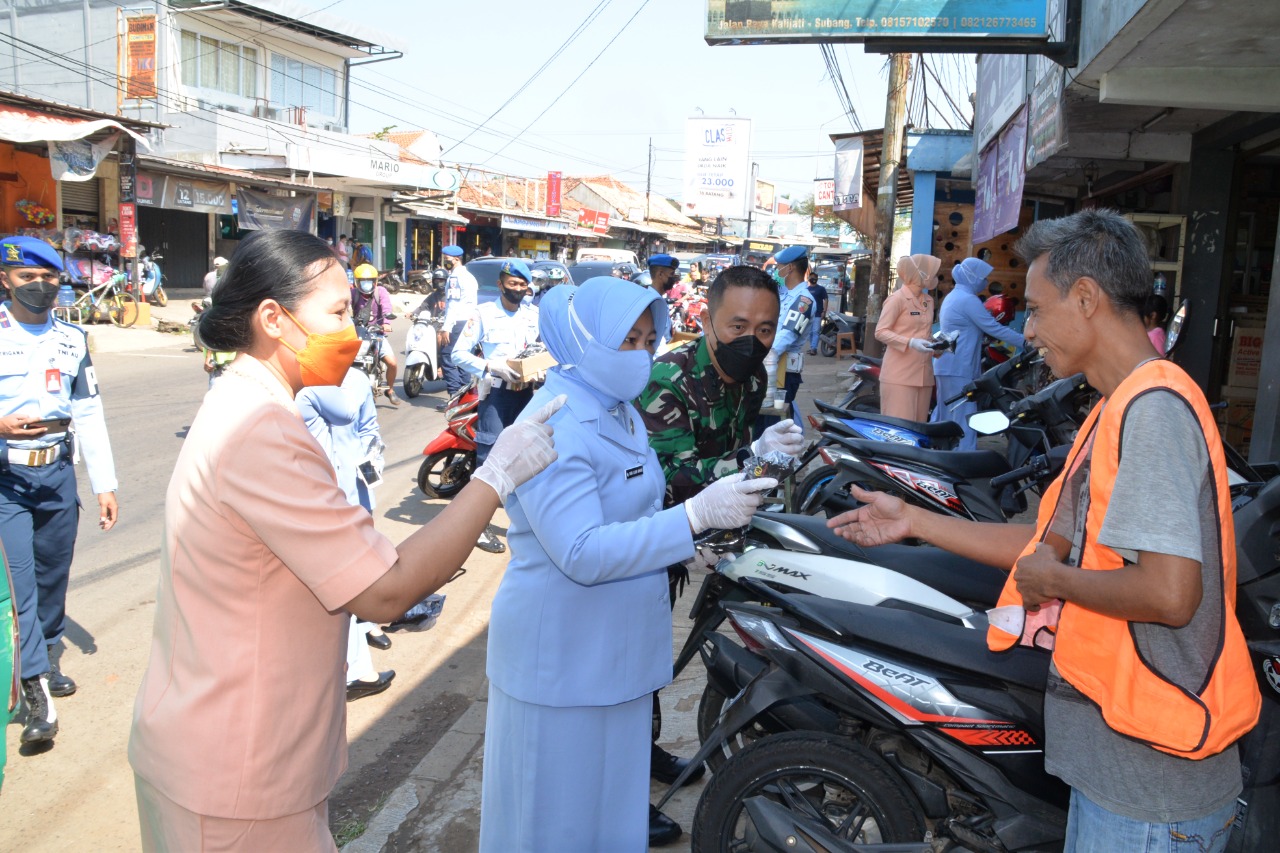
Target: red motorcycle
(451, 455)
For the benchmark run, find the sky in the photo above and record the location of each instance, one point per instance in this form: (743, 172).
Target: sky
(462, 61)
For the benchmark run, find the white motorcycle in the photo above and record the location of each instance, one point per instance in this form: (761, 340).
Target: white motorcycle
(421, 355)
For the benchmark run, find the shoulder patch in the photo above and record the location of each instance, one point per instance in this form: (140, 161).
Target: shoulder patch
(803, 304)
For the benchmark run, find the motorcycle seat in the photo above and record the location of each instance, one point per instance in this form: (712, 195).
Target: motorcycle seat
(906, 633)
(976, 584)
(941, 431)
(966, 465)
(870, 359)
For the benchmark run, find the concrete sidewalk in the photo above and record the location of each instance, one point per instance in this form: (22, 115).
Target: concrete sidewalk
(104, 337)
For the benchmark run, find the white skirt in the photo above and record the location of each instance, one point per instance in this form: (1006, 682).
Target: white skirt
(571, 780)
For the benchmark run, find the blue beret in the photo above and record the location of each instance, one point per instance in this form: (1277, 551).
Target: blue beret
(663, 261)
(789, 254)
(29, 252)
(453, 251)
(517, 268)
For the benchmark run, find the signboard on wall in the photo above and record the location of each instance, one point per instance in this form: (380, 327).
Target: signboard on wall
(824, 196)
(1001, 172)
(128, 221)
(1046, 120)
(847, 187)
(717, 166)
(800, 21)
(1002, 87)
(257, 211)
(138, 57)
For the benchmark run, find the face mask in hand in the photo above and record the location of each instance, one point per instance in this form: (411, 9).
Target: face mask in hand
(37, 297)
(741, 357)
(326, 358)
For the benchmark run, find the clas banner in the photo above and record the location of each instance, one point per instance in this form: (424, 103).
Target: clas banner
(761, 21)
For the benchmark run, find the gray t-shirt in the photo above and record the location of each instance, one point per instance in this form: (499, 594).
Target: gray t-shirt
(1162, 502)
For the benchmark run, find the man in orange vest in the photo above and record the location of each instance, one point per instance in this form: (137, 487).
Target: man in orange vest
(1128, 573)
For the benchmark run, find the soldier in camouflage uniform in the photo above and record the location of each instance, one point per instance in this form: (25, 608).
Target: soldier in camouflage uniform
(699, 408)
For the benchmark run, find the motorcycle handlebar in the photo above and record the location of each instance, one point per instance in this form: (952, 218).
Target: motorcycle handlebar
(957, 398)
(1002, 480)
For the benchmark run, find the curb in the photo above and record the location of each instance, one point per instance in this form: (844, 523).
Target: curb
(450, 753)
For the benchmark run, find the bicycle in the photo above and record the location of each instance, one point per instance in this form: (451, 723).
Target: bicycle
(120, 307)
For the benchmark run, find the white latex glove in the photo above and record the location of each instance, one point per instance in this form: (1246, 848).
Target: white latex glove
(771, 377)
(920, 345)
(499, 369)
(726, 504)
(784, 436)
(704, 559)
(521, 452)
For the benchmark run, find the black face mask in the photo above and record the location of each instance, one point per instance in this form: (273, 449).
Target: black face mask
(515, 297)
(741, 357)
(37, 297)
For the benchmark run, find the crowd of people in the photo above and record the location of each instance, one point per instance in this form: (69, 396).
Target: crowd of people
(609, 472)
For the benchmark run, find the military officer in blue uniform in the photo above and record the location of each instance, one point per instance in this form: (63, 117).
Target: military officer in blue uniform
(785, 361)
(47, 390)
(461, 293)
(500, 330)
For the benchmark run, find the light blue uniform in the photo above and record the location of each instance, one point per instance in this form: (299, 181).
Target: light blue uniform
(580, 633)
(498, 332)
(963, 313)
(46, 372)
(344, 419)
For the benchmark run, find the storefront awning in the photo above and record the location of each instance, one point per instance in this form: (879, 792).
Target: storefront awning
(691, 238)
(426, 211)
(25, 126)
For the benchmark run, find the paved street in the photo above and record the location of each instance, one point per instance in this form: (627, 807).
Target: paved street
(79, 794)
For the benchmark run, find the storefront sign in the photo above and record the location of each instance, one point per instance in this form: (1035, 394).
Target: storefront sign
(148, 189)
(197, 196)
(1002, 87)
(373, 165)
(717, 166)
(1001, 171)
(756, 21)
(601, 225)
(524, 223)
(1046, 121)
(128, 230)
(846, 189)
(258, 211)
(824, 196)
(710, 229)
(128, 175)
(553, 194)
(77, 160)
(140, 57)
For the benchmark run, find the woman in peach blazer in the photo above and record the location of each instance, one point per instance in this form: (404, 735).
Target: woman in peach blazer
(239, 729)
(905, 326)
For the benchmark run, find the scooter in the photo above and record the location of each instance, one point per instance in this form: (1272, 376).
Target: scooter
(153, 279)
(369, 358)
(936, 739)
(862, 394)
(451, 455)
(834, 323)
(421, 352)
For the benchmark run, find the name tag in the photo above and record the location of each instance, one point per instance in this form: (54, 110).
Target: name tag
(637, 471)
(915, 313)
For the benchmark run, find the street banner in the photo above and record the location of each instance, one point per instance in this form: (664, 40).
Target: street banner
(847, 187)
(257, 211)
(139, 53)
(798, 21)
(1001, 172)
(717, 167)
(553, 194)
(76, 159)
(128, 221)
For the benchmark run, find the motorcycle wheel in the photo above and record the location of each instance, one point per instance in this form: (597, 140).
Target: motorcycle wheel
(834, 783)
(805, 497)
(710, 707)
(160, 297)
(826, 347)
(413, 381)
(442, 475)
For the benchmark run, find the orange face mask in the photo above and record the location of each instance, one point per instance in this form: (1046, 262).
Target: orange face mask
(326, 358)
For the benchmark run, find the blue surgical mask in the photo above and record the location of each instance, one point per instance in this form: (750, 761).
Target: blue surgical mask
(618, 374)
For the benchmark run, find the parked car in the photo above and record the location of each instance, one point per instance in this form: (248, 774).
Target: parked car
(486, 272)
(590, 269)
(617, 256)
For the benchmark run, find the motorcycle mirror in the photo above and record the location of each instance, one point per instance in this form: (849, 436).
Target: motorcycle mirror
(1175, 327)
(989, 423)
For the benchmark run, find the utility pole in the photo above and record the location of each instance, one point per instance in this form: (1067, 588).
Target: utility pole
(648, 181)
(895, 119)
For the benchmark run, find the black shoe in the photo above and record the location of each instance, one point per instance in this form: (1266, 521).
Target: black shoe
(360, 689)
(662, 829)
(442, 407)
(42, 719)
(59, 685)
(489, 542)
(378, 641)
(665, 767)
(392, 398)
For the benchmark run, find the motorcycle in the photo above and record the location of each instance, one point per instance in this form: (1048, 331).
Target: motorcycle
(153, 279)
(391, 279)
(935, 738)
(834, 323)
(421, 356)
(369, 358)
(862, 394)
(451, 455)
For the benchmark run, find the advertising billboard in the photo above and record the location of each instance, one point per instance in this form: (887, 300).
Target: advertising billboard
(758, 21)
(765, 196)
(717, 167)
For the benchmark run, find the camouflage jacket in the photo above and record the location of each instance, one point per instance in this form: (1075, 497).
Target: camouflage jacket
(696, 422)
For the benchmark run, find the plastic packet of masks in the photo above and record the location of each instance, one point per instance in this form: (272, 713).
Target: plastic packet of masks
(776, 464)
(421, 616)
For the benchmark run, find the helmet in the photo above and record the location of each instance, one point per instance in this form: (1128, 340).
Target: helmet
(365, 271)
(556, 275)
(438, 275)
(644, 279)
(539, 277)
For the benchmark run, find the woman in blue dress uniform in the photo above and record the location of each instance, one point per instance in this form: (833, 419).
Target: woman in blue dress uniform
(580, 634)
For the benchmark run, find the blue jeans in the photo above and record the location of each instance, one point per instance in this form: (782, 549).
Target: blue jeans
(1093, 829)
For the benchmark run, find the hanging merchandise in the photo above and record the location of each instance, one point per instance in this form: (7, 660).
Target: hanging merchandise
(35, 213)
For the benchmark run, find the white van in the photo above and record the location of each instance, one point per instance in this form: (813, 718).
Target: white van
(617, 256)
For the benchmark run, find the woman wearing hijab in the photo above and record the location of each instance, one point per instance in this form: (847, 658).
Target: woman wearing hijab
(239, 729)
(580, 633)
(905, 326)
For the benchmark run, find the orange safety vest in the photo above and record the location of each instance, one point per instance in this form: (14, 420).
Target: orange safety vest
(1096, 654)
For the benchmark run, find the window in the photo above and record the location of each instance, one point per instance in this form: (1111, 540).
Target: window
(222, 66)
(299, 84)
